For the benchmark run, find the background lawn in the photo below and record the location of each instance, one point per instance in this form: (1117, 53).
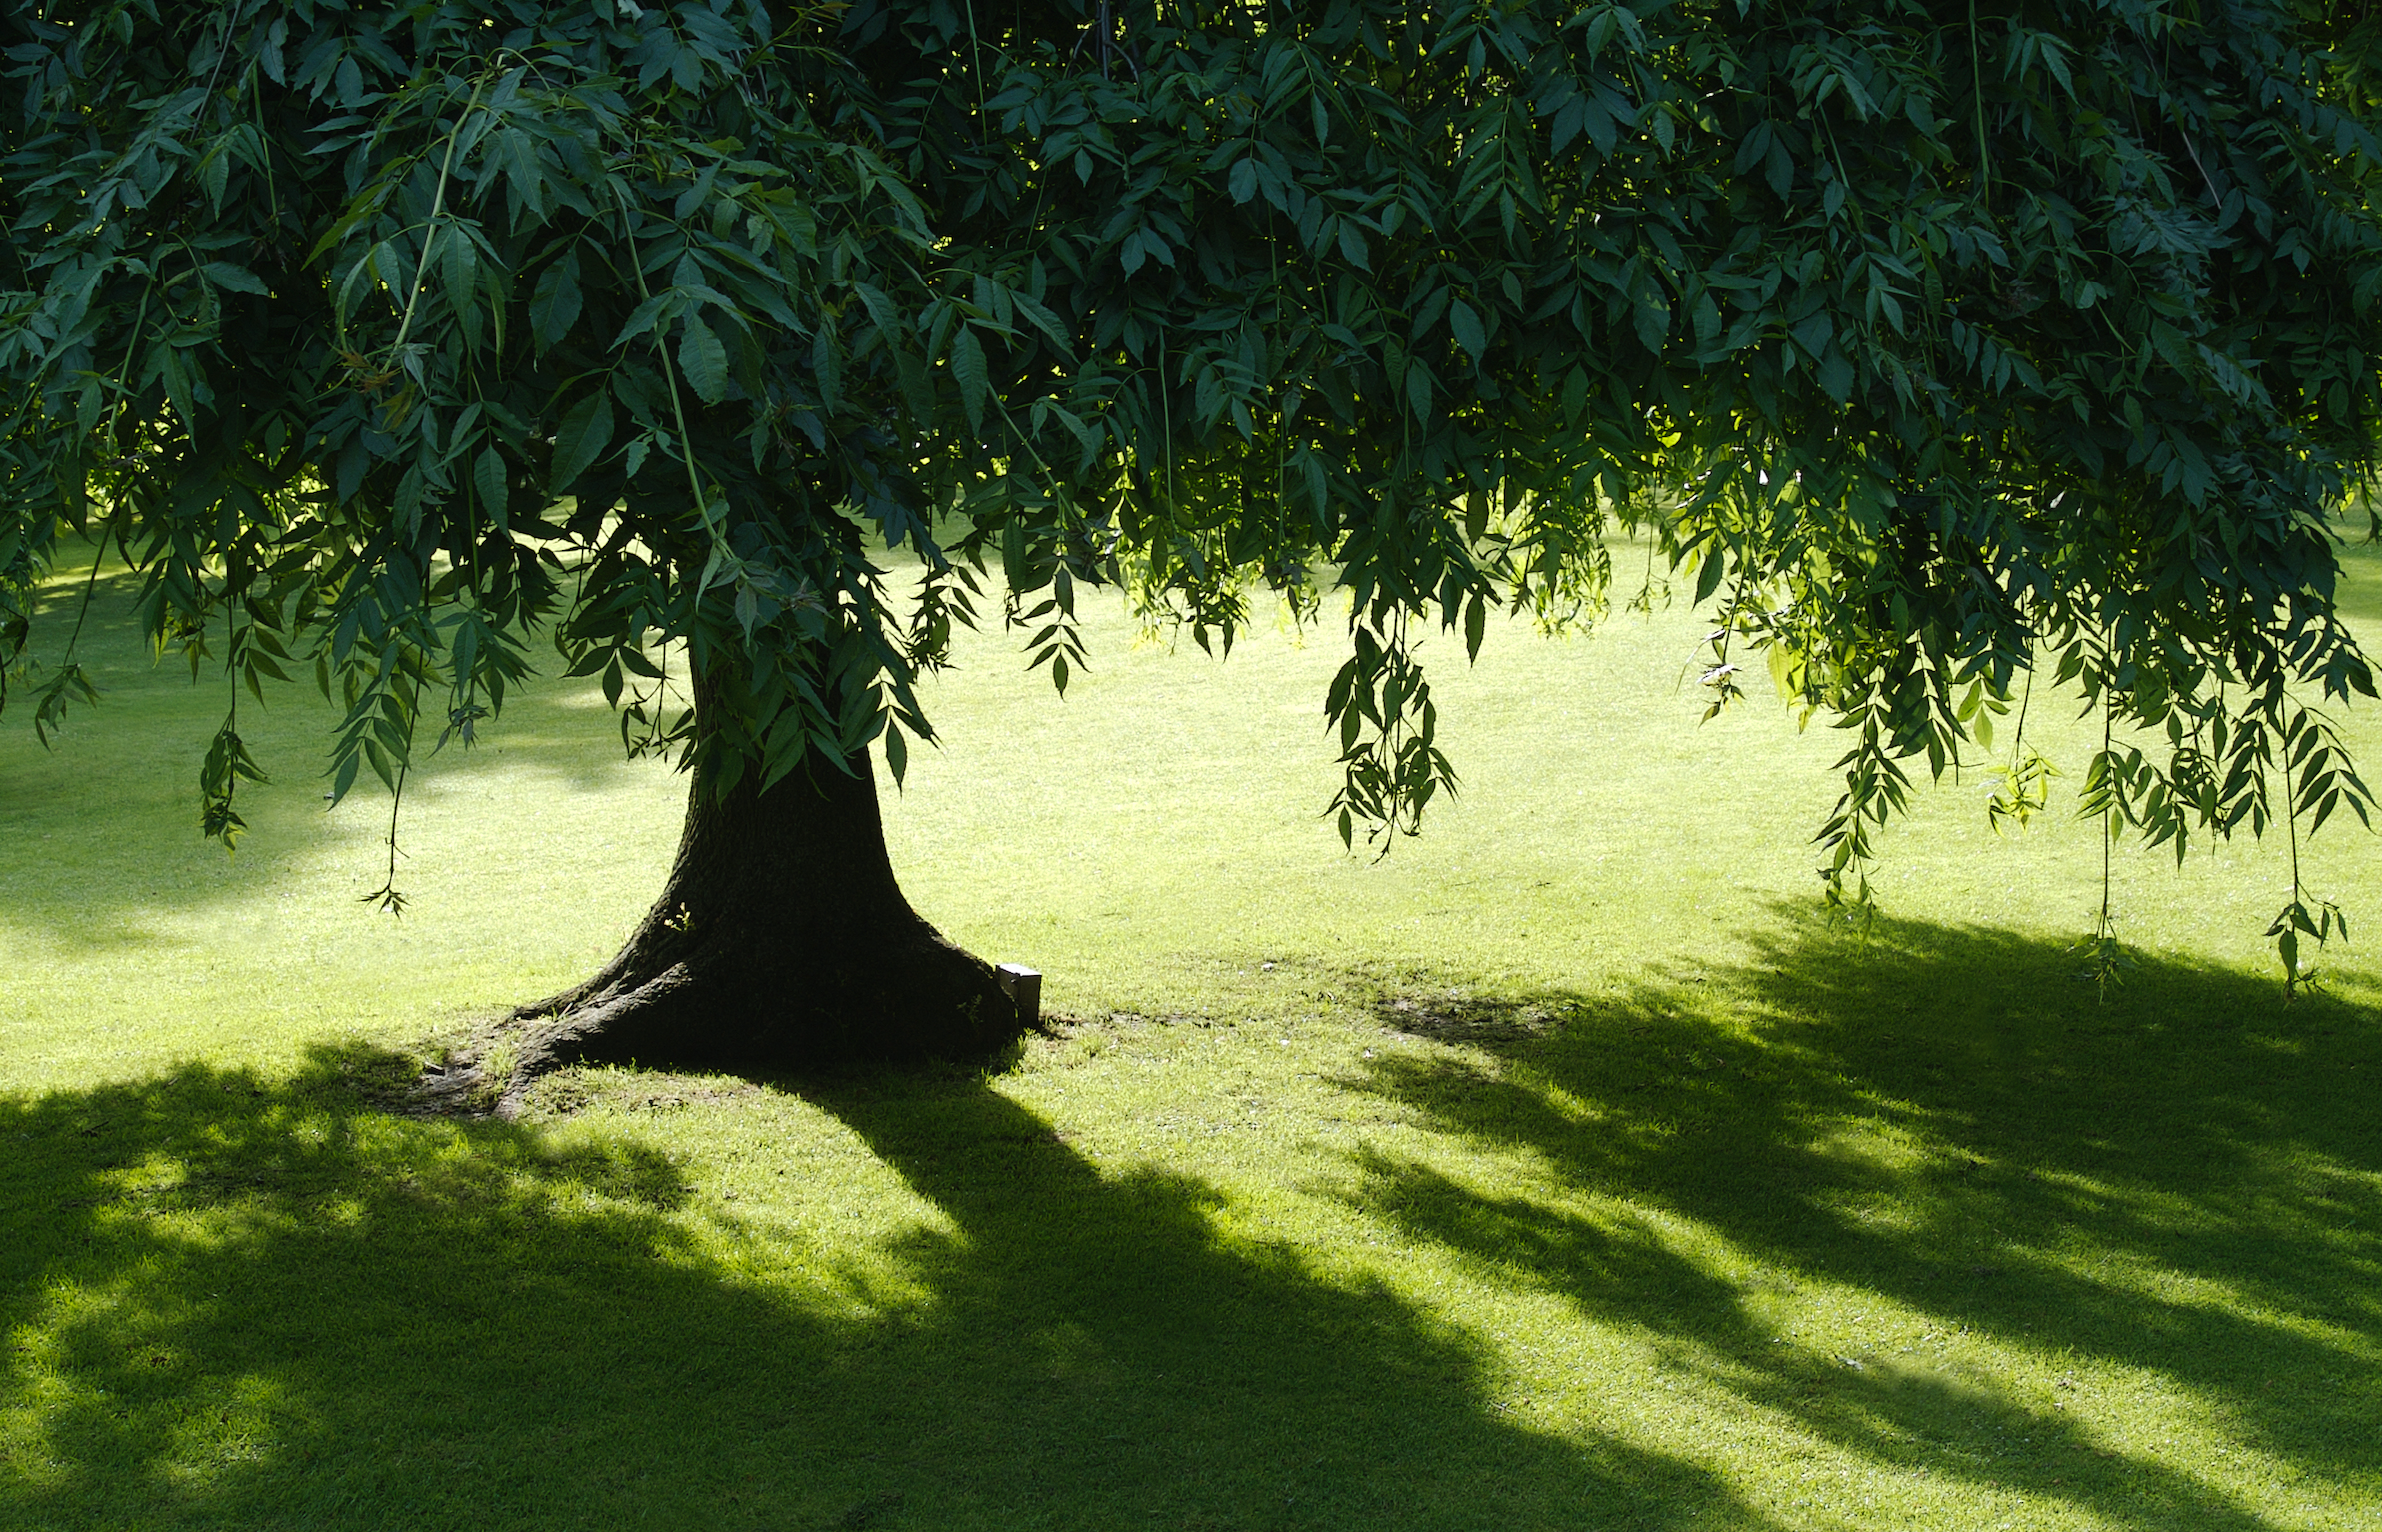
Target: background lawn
(1561, 1170)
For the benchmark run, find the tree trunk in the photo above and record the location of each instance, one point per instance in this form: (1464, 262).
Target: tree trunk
(780, 940)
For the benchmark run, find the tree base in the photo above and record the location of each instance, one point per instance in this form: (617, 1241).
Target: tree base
(903, 997)
(780, 942)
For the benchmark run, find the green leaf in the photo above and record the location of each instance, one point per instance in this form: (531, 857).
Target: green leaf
(554, 304)
(1708, 578)
(704, 361)
(488, 477)
(1465, 325)
(343, 779)
(1836, 375)
(826, 366)
(459, 261)
(1652, 318)
(238, 279)
(582, 437)
(967, 364)
(653, 311)
(1352, 245)
(2055, 60)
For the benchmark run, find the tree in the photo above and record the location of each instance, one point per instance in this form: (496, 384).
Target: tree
(1942, 343)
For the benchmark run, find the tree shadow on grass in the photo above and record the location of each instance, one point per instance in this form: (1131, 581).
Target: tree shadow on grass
(238, 1303)
(245, 1303)
(2182, 1179)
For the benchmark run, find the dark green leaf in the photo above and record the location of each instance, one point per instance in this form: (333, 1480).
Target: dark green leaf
(1708, 578)
(488, 477)
(1465, 325)
(967, 364)
(585, 432)
(704, 361)
(554, 304)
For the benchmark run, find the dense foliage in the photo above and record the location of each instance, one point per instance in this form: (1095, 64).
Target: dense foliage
(1940, 343)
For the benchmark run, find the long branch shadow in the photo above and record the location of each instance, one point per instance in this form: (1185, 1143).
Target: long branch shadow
(231, 1302)
(2185, 1180)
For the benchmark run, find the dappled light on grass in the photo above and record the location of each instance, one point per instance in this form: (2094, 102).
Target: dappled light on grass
(1912, 1232)
(444, 1324)
(1928, 1207)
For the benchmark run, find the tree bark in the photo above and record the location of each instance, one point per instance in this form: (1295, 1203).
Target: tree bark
(781, 940)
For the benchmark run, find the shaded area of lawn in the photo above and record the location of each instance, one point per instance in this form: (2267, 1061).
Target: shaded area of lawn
(2184, 1179)
(246, 1303)
(390, 1322)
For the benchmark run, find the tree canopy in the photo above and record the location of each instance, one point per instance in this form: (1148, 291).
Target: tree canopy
(1941, 343)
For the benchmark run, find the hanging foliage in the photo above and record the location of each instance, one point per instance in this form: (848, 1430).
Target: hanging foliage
(1936, 343)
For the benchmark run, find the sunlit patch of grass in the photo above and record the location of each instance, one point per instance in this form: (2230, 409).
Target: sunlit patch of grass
(1559, 1171)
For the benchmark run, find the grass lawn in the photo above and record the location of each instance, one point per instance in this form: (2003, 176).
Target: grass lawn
(1559, 1171)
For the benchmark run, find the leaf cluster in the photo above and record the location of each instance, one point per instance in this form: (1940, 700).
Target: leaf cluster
(1941, 343)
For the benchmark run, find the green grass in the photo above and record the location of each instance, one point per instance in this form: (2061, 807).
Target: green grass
(1561, 1170)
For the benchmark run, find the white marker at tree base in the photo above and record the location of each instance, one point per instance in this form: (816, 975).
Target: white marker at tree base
(1022, 985)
